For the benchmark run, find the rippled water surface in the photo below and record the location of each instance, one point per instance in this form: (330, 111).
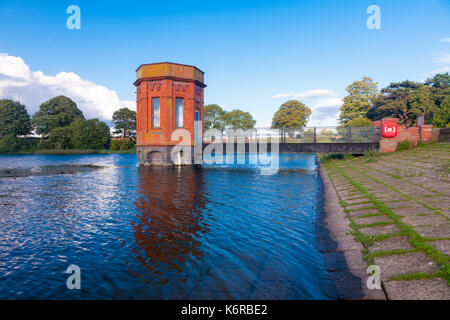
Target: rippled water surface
(152, 233)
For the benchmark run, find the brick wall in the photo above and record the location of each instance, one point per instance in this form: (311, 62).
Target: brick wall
(167, 88)
(412, 134)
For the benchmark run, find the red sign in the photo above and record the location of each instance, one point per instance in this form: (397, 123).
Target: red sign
(389, 129)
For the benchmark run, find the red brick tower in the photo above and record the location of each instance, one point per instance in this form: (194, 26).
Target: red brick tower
(169, 97)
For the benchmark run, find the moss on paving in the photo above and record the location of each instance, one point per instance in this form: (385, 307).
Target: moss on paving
(414, 238)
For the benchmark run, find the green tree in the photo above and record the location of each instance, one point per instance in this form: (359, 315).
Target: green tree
(440, 80)
(14, 119)
(440, 93)
(57, 112)
(213, 117)
(441, 118)
(238, 119)
(9, 143)
(89, 134)
(291, 114)
(357, 129)
(406, 100)
(359, 122)
(60, 138)
(361, 95)
(124, 121)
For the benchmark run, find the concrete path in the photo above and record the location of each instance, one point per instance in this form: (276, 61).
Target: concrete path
(398, 208)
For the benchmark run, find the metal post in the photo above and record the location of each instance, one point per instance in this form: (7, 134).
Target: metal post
(315, 139)
(349, 134)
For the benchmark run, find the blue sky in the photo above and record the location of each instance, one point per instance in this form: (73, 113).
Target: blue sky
(250, 51)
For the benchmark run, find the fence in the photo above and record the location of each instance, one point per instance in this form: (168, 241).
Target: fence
(327, 134)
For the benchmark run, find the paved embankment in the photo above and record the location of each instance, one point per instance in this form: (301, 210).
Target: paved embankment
(397, 207)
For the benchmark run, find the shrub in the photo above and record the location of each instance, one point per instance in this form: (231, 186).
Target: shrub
(404, 145)
(9, 143)
(28, 144)
(89, 134)
(371, 155)
(124, 144)
(324, 158)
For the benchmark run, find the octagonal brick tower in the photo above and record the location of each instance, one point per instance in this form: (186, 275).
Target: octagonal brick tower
(169, 96)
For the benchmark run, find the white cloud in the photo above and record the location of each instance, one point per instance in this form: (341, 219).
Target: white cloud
(440, 70)
(443, 58)
(310, 94)
(32, 88)
(283, 95)
(332, 102)
(445, 40)
(316, 93)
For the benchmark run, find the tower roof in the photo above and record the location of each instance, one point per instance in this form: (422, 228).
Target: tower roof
(169, 70)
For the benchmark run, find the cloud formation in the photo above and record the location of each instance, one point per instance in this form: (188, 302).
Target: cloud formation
(316, 93)
(445, 40)
(283, 95)
(324, 110)
(310, 94)
(443, 58)
(32, 88)
(332, 102)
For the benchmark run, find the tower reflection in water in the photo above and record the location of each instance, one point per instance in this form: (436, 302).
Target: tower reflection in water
(169, 226)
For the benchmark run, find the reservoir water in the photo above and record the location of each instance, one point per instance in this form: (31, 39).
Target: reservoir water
(214, 232)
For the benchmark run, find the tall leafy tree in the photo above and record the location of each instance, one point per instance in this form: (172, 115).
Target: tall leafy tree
(440, 94)
(359, 122)
(56, 112)
(124, 121)
(406, 100)
(238, 119)
(441, 118)
(213, 117)
(361, 95)
(89, 134)
(291, 114)
(14, 118)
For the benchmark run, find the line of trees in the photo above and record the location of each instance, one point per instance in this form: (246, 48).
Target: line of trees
(217, 118)
(404, 100)
(61, 126)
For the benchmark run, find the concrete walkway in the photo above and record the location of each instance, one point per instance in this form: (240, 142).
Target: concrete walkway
(398, 209)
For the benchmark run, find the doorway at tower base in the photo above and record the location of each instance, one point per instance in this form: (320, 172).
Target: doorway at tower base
(162, 155)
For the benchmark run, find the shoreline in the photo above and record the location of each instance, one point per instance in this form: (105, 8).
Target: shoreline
(70, 152)
(341, 252)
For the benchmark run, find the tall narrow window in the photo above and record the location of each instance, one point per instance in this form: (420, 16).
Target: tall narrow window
(156, 114)
(179, 112)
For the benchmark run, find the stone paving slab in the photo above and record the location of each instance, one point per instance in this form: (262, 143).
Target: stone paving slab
(420, 220)
(424, 289)
(441, 245)
(367, 220)
(398, 264)
(394, 243)
(440, 231)
(371, 231)
(408, 184)
(357, 214)
(408, 211)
